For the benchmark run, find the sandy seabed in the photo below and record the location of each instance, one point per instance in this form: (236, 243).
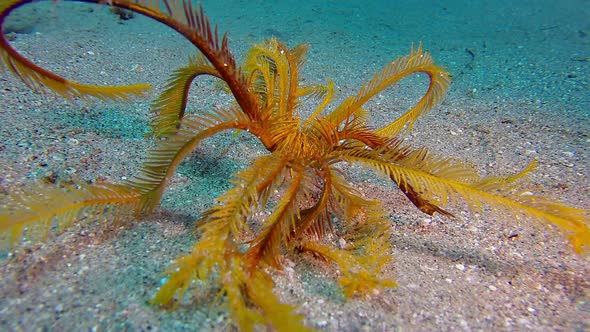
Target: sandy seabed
(476, 272)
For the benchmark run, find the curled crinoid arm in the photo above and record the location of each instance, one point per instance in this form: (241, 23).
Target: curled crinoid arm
(168, 110)
(164, 158)
(40, 79)
(418, 61)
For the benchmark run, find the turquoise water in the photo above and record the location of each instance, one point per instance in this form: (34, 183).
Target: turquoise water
(528, 50)
(535, 51)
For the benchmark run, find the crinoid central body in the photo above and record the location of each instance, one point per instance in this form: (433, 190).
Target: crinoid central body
(299, 182)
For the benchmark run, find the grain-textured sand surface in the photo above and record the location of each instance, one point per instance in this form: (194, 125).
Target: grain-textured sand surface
(520, 91)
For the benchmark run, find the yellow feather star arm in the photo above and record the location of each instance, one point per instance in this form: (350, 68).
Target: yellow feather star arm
(276, 228)
(34, 214)
(424, 176)
(417, 61)
(249, 193)
(40, 79)
(168, 110)
(359, 276)
(276, 76)
(163, 160)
